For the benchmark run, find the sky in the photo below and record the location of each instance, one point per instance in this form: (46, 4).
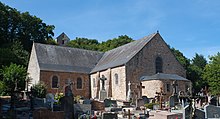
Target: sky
(191, 26)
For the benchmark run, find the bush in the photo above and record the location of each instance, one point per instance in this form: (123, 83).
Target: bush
(150, 105)
(39, 90)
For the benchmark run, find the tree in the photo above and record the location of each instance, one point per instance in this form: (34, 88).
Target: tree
(13, 78)
(199, 60)
(23, 27)
(84, 43)
(114, 43)
(185, 62)
(212, 74)
(13, 53)
(93, 44)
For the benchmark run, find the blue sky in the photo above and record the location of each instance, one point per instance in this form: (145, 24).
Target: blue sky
(191, 26)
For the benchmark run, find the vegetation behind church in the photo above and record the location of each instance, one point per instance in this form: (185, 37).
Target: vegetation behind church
(18, 31)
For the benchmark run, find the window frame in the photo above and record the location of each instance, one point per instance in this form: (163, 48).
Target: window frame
(77, 85)
(52, 82)
(116, 77)
(158, 65)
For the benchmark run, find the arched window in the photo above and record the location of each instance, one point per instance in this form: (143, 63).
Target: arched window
(159, 65)
(79, 83)
(94, 82)
(54, 82)
(116, 79)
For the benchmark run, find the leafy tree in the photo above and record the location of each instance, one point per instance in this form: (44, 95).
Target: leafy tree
(114, 43)
(13, 78)
(51, 41)
(23, 27)
(181, 58)
(92, 44)
(84, 43)
(39, 90)
(13, 53)
(199, 60)
(212, 74)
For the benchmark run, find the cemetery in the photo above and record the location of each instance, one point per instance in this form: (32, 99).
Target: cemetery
(68, 106)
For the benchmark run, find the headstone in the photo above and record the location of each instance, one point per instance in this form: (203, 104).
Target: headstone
(173, 100)
(81, 110)
(186, 112)
(212, 111)
(110, 103)
(139, 103)
(146, 100)
(68, 101)
(213, 100)
(87, 101)
(102, 92)
(199, 114)
(109, 116)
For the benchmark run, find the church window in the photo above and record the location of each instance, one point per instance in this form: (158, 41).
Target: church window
(54, 82)
(116, 79)
(159, 65)
(79, 83)
(62, 41)
(94, 83)
(168, 87)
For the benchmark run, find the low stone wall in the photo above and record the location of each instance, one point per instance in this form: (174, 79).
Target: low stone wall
(47, 114)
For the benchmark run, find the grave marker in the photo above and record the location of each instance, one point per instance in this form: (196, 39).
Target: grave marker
(212, 111)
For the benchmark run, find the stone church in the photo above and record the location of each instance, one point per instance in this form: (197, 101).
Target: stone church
(141, 67)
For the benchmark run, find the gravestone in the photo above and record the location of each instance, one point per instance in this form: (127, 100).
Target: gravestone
(82, 109)
(186, 112)
(199, 114)
(68, 101)
(139, 103)
(212, 111)
(102, 92)
(173, 100)
(109, 116)
(110, 103)
(146, 100)
(87, 101)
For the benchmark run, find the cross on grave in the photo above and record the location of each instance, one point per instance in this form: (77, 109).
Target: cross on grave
(160, 96)
(175, 87)
(103, 81)
(140, 87)
(205, 93)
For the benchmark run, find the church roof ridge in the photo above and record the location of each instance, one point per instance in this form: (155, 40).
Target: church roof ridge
(121, 55)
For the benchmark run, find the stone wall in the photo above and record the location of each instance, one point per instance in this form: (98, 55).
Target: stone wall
(116, 91)
(153, 86)
(47, 114)
(143, 63)
(46, 77)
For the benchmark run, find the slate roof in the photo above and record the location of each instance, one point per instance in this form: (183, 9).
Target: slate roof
(162, 76)
(121, 55)
(66, 59)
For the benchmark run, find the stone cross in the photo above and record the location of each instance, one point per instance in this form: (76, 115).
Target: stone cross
(160, 96)
(175, 87)
(103, 81)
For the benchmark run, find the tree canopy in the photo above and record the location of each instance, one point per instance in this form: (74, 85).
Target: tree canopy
(23, 27)
(93, 44)
(212, 74)
(13, 78)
